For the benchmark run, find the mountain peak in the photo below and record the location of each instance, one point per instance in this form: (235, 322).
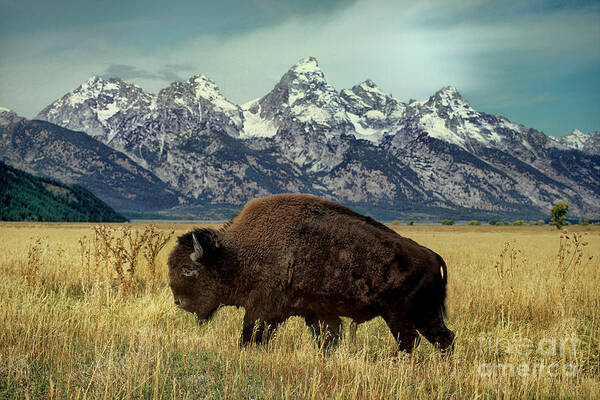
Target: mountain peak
(302, 99)
(98, 79)
(207, 89)
(100, 83)
(448, 96)
(203, 86)
(94, 79)
(306, 65)
(370, 87)
(7, 116)
(201, 78)
(449, 91)
(368, 83)
(578, 140)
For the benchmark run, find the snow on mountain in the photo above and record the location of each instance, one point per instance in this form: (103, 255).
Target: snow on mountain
(359, 145)
(111, 109)
(372, 112)
(99, 107)
(449, 117)
(301, 101)
(254, 124)
(577, 140)
(203, 102)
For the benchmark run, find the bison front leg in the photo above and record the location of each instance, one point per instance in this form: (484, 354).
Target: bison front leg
(404, 332)
(352, 333)
(326, 331)
(257, 331)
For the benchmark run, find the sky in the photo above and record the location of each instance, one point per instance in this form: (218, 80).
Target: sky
(535, 62)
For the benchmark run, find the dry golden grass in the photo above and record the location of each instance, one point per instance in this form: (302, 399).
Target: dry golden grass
(68, 330)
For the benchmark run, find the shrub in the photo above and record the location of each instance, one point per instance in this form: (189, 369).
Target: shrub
(570, 258)
(122, 248)
(493, 221)
(583, 221)
(559, 215)
(447, 222)
(531, 223)
(410, 223)
(474, 222)
(509, 261)
(541, 222)
(519, 223)
(395, 222)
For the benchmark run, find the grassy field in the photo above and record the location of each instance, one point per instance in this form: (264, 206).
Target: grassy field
(524, 304)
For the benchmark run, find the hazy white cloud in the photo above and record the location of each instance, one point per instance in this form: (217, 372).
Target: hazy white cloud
(409, 50)
(492, 51)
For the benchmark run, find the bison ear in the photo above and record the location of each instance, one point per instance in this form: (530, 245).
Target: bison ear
(205, 243)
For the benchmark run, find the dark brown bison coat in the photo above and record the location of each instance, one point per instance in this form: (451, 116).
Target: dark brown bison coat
(292, 254)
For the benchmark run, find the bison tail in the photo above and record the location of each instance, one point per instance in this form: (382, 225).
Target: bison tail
(444, 281)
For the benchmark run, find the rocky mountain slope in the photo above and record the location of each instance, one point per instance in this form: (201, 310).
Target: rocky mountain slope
(24, 197)
(48, 150)
(360, 146)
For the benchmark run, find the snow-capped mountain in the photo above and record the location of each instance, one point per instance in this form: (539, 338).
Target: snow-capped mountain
(302, 100)
(101, 108)
(124, 116)
(374, 114)
(577, 140)
(360, 146)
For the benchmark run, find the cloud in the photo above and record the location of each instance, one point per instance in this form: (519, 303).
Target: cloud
(127, 72)
(495, 53)
(167, 73)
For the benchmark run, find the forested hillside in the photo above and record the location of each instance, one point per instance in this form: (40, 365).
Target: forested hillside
(24, 197)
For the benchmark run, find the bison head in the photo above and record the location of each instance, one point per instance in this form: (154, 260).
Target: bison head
(193, 273)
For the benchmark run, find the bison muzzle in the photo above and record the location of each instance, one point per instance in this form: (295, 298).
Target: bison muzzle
(292, 254)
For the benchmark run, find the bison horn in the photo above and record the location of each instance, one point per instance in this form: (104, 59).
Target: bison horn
(198, 252)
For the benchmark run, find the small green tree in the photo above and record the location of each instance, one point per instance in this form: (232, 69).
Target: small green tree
(410, 223)
(447, 222)
(559, 214)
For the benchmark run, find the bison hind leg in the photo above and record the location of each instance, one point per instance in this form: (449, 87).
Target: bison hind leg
(437, 333)
(326, 331)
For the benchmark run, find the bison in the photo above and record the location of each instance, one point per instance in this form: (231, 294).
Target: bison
(299, 255)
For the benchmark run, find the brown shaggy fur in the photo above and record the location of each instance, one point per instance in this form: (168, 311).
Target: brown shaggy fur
(293, 254)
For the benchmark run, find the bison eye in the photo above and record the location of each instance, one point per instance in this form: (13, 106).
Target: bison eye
(189, 271)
